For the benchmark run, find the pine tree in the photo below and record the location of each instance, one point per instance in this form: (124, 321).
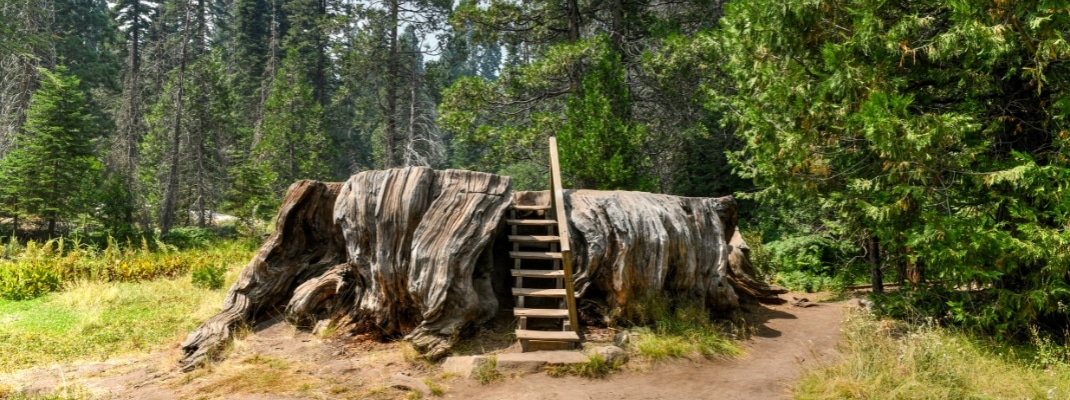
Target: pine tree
(293, 144)
(935, 132)
(52, 171)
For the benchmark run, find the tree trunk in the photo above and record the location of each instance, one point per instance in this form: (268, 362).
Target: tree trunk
(407, 253)
(393, 73)
(167, 215)
(876, 275)
(305, 243)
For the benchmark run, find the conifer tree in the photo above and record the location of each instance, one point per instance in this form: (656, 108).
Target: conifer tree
(293, 144)
(52, 171)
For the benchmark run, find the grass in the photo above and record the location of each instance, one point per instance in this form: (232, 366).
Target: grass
(66, 393)
(434, 387)
(487, 372)
(257, 374)
(678, 332)
(596, 367)
(893, 360)
(93, 320)
(36, 268)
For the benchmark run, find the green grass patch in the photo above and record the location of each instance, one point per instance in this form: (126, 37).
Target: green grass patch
(686, 330)
(895, 360)
(596, 367)
(93, 320)
(487, 372)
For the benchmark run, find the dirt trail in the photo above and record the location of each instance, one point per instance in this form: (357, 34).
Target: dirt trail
(787, 339)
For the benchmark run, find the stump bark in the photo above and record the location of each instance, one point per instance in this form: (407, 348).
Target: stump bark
(393, 251)
(405, 253)
(306, 242)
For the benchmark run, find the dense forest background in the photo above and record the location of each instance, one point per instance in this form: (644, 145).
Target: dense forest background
(926, 141)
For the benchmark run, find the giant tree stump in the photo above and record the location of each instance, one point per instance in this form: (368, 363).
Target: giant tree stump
(404, 253)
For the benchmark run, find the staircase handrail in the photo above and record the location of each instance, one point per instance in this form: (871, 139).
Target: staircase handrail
(557, 199)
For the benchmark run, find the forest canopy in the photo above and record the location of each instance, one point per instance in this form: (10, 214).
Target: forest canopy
(919, 141)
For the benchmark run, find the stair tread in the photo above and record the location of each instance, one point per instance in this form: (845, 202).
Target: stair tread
(539, 292)
(538, 273)
(536, 255)
(535, 238)
(540, 312)
(560, 336)
(531, 222)
(529, 207)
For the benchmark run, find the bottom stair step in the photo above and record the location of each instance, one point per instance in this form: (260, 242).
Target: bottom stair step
(560, 336)
(540, 312)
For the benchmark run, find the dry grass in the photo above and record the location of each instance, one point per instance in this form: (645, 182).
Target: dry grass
(892, 360)
(255, 375)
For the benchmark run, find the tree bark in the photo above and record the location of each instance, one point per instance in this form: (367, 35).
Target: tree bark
(306, 242)
(406, 253)
(393, 251)
(170, 200)
(876, 275)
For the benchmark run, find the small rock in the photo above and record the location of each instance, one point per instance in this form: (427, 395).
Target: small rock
(405, 382)
(536, 361)
(321, 326)
(863, 304)
(803, 302)
(463, 366)
(612, 354)
(622, 338)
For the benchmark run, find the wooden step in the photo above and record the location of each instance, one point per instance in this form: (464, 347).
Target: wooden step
(539, 292)
(538, 273)
(531, 222)
(531, 208)
(540, 312)
(534, 238)
(536, 255)
(559, 336)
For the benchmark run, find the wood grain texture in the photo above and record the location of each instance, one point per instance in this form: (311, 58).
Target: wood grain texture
(416, 237)
(406, 253)
(306, 242)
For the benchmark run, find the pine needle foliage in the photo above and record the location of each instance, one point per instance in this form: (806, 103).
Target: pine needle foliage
(939, 128)
(52, 172)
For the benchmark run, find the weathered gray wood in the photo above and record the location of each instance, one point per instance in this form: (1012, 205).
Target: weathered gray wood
(306, 242)
(628, 245)
(414, 236)
(742, 276)
(405, 253)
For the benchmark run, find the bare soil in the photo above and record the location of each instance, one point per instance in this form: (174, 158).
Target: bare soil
(275, 361)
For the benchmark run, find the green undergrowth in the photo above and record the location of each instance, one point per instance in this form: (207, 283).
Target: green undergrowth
(32, 269)
(661, 331)
(889, 359)
(92, 320)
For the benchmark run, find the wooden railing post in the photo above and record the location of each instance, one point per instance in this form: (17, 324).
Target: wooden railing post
(557, 198)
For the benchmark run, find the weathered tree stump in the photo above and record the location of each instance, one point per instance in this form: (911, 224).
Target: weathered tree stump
(405, 253)
(306, 242)
(395, 251)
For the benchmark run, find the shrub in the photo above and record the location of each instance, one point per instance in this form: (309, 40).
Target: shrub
(209, 277)
(27, 279)
(188, 237)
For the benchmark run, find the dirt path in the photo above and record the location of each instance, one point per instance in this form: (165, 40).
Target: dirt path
(787, 340)
(278, 362)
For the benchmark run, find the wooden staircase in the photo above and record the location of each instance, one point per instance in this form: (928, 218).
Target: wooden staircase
(542, 269)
